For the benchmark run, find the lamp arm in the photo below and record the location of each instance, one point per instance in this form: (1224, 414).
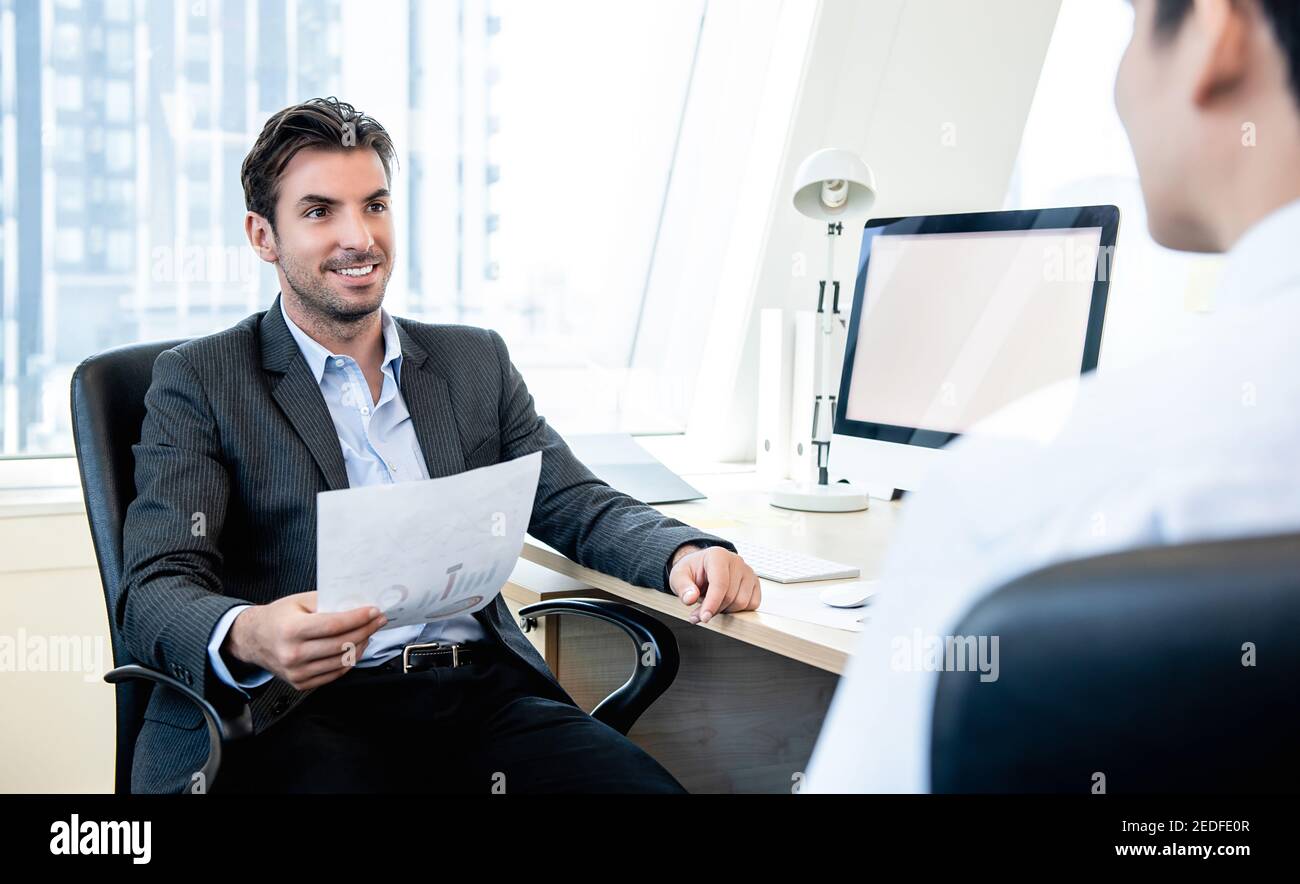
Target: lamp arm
(825, 416)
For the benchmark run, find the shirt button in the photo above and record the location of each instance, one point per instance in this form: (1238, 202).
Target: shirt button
(365, 409)
(338, 362)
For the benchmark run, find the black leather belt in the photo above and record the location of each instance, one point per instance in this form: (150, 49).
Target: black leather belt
(436, 655)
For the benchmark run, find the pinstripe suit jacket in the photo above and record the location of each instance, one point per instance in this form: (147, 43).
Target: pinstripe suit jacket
(236, 429)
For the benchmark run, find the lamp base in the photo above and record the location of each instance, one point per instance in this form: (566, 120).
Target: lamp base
(809, 498)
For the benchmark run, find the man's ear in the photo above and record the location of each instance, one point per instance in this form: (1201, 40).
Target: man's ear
(1222, 29)
(260, 237)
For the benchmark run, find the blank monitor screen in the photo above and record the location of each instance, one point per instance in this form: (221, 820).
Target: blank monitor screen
(955, 316)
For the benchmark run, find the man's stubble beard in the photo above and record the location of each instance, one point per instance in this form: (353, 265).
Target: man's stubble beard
(323, 302)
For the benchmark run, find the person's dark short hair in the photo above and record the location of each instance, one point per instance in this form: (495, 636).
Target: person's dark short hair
(322, 123)
(1282, 15)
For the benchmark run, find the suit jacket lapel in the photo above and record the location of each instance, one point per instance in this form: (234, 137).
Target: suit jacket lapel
(299, 397)
(429, 402)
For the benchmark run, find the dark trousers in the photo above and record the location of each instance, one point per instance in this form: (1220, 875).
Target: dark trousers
(484, 728)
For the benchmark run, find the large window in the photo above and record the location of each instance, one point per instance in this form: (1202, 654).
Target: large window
(537, 143)
(1075, 152)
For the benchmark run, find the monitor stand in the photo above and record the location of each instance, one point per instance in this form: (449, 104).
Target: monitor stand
(881, 468)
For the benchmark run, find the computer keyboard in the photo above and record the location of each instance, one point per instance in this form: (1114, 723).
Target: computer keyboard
(784, 566)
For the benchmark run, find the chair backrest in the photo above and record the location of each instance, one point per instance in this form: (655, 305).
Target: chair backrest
(108, 392)
(1169, 669)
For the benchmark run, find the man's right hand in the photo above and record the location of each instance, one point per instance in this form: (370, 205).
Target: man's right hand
(296, 643)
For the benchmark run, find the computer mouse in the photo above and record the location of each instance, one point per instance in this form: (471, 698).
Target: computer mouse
(849, 595)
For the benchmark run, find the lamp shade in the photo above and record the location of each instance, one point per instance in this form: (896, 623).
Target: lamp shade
(834, 185)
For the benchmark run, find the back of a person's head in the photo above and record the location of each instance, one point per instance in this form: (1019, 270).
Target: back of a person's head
(1209, 91)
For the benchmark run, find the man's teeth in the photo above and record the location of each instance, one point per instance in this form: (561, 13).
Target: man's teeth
(356, 271)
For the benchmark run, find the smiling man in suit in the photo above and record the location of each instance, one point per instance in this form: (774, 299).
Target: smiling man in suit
(327, 390)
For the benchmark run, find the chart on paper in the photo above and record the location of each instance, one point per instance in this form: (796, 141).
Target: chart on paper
(427, 550)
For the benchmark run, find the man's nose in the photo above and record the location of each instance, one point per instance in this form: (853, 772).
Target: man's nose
(355, 234)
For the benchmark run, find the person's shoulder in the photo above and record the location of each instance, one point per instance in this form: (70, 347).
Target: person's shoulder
(220, 351)
(451, 346)
(442, 331)
(1195, 407)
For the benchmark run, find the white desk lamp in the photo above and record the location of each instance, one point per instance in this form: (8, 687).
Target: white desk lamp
(832, 186)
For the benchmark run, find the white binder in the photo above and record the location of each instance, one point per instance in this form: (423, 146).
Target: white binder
(803, 393)
(775, 378)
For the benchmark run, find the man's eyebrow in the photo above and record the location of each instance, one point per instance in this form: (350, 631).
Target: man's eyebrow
(316, 198)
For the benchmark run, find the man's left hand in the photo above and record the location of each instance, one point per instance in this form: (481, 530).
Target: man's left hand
(718, 576)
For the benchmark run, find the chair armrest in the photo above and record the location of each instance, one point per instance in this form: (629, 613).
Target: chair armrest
(219, 729)
(656, 658)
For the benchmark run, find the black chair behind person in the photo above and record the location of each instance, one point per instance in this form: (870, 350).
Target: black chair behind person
(108, 393)
(1132, 666)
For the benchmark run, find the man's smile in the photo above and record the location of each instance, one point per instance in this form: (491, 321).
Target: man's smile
(357, 274)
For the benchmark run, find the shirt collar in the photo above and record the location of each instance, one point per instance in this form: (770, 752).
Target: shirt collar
(1263, 262)
(318, 357)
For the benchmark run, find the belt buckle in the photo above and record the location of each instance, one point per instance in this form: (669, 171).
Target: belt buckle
(406, 653)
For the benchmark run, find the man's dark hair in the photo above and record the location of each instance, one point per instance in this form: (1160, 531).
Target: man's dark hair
(1282, 15)
(323, 123)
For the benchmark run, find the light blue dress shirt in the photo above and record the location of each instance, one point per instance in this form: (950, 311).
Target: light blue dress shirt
(379, 447)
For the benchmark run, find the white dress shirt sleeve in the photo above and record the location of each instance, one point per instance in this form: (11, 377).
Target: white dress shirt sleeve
(876, 734)
(222, 671)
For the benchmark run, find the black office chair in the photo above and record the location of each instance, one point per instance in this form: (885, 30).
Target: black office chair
(108, 392)
(1132, 667)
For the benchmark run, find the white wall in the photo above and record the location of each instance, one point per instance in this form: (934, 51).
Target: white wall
(934, 94)
(59, 732)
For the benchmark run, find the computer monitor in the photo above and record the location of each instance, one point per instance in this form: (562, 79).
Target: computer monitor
(955, 316)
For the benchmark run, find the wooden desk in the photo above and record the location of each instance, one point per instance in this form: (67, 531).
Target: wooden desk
(746, 707)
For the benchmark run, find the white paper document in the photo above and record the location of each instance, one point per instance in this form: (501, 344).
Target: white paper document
(802, 603)
(427, 550)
